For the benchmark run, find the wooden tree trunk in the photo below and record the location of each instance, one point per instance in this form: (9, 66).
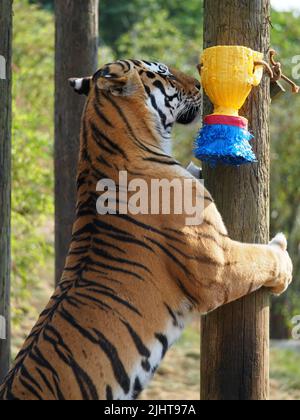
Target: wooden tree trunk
(5, 181)
(235, 338)
(76, 56)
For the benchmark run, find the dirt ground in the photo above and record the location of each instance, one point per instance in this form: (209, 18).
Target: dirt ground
(279, 394)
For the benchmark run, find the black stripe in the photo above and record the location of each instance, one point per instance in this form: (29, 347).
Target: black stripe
(164, 342)
(141, 348)
(150, 74)
(85, 283)
(171, 256)
(56, 300)
(104, 275)
(136, 63)
(99, 174)
(107, 347)
(101, 145)
(102, 242)
(127, 62)
(137, 388)
(186, 293)
(173, 316)
(98, 133)
(88, 228)
(84, 382)
(224, 235)
(103, 306)
(29, 388)
(39, 359)
(203, 259)
(59, 393)
(111, 228)
(198, 236)
(7, 395)
(155, 106)
(109, 393)
(104, 162)
(159, 85)
(140, 144)
(102, 253)
(162, 162)
(47, 383)
(146, 365)
(87, 387)
(148, 228)
(117, 299)
(85, 153)
(101, 115)
(24, 372)
(183, 254)
(113, 268)
(127, 240)
(75, 303)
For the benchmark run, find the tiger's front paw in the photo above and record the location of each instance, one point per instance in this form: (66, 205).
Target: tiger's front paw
(284, 275)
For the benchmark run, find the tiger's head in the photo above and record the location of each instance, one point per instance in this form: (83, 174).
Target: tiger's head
(170, 95)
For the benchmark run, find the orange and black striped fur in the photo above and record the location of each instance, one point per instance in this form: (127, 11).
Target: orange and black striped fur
(131, 282)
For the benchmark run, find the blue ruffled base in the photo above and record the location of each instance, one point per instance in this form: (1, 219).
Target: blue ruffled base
(224, 144)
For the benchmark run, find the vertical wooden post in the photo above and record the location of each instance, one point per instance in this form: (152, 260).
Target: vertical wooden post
(76, 56)
(5, 181)
(235, 338)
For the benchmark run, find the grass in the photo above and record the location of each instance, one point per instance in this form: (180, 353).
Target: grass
(285, 374)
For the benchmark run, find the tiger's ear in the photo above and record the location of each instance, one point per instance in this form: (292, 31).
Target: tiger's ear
(81, 86)
(120, 78)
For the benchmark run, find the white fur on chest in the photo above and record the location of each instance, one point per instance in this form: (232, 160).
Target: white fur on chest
(172, 333)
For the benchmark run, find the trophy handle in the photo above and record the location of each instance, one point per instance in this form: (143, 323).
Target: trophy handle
(278, 74)
(259, 66)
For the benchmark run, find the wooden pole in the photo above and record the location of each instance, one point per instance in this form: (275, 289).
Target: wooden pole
(235, 338)
(76, 56)
(5, 181)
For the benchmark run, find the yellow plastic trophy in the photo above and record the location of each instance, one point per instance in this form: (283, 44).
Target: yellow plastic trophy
(228, 74)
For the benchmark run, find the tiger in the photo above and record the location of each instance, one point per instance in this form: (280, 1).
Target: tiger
(131, 283)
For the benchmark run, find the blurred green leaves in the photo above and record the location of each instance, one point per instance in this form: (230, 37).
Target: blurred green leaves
(32, 197)
(285, 148)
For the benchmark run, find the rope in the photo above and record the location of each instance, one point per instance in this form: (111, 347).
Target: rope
(278, 74)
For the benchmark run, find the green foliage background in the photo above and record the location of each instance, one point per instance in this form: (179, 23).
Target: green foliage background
(166, 30)
(32, 197)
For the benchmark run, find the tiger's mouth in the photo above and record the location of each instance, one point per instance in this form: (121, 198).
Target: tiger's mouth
(190, 116)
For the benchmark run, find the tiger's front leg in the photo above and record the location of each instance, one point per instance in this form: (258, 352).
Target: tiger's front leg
(247, 268)
(227, 270)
